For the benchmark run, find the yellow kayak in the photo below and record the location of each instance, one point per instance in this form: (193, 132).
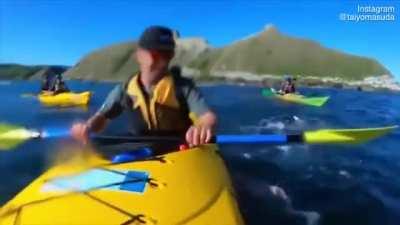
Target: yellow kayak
(65, 99)
(183, 187)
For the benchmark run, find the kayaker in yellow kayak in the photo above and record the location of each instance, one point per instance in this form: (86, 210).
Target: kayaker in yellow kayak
(156, 101)
(54, 84)
(288, 86)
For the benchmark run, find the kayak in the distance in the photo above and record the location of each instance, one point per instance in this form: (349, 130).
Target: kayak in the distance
(296, 98)
(65, 99)
(182, 187)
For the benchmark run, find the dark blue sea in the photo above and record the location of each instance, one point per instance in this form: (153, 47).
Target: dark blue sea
(358, 184)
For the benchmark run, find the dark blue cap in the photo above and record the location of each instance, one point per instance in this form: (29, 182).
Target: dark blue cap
(157, 38)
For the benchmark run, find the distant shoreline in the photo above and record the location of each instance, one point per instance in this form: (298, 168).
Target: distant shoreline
(275, 81)
(379, 83)
(383, 82)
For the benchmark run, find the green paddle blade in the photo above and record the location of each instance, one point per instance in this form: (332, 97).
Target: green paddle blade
(267, 92)
(345, 136)
(12, 136)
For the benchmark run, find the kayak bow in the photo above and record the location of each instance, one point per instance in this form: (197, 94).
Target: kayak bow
(185, 187)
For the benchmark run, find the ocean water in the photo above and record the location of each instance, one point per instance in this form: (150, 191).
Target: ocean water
(357, 184)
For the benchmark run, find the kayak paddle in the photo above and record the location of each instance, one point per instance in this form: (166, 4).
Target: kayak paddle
(11, 136)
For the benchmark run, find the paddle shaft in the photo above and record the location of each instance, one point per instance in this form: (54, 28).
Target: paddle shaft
(219, 139)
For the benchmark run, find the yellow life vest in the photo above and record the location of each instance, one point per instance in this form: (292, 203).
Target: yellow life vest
(162, 111)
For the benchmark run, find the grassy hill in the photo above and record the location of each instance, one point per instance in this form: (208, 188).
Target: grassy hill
(17, 71)
(117, 62)
(267, 52)
(271, 52)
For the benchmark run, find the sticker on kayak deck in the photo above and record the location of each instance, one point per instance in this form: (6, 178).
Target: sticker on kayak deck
(95, 179)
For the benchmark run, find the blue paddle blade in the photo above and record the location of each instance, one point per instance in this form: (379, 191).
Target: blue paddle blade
(256, 138)
(55, 132)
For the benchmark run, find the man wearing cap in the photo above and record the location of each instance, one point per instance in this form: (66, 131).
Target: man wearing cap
(156, 101)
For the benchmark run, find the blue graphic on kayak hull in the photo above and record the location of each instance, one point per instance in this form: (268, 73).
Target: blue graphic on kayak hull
(104, 179)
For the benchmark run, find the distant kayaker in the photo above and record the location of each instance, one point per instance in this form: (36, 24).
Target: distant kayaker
(288, 86)
(156, 101)
(54, 84)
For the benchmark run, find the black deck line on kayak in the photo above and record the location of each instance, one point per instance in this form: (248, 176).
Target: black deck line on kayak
(103, 166)
(204, 208)
(122, 211)
(18, 217)
(295, 138)
(147, 180)
(112, 171)
(158, 158)
(19, 208)
(138, 218)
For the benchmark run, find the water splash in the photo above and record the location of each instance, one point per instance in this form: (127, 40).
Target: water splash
(344, 173)
(276, 124)
(284, 148)
(247, 155)
(267, 124)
